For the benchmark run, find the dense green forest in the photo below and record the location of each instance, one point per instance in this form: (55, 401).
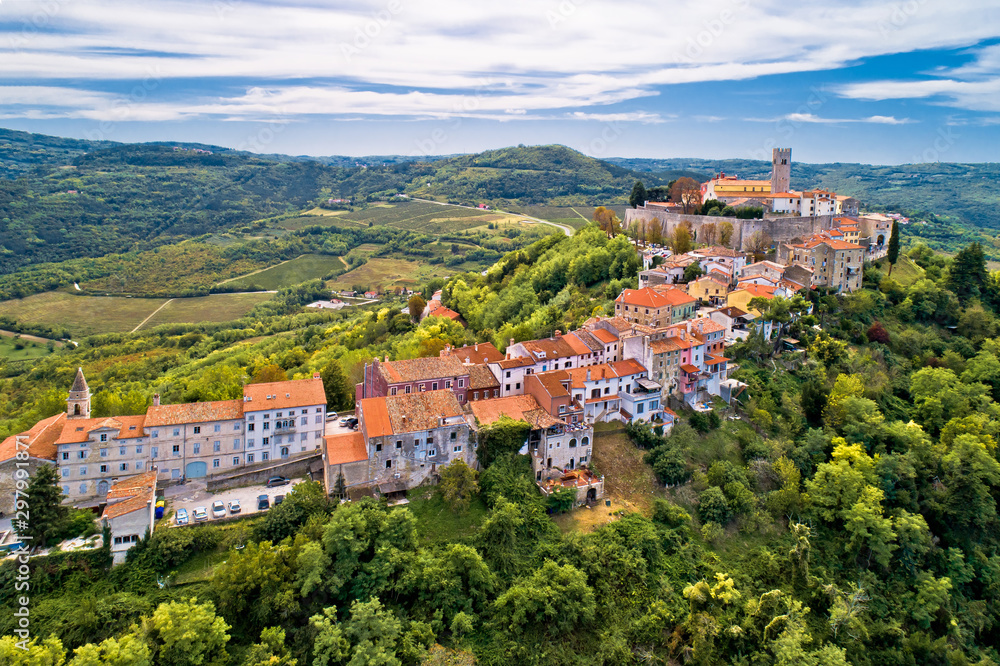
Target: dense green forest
(848, 516)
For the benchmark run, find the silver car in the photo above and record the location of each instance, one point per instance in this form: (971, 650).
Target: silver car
(218, 509)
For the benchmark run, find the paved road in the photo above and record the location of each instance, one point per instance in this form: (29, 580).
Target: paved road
(565, 229)
(193, 494)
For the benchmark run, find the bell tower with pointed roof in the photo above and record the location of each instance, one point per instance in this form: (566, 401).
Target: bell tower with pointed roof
(78, 403)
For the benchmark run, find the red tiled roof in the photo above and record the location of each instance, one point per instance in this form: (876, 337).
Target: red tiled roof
(347, 448)
(674, 295)
(422, 369)
(715, 360)
(645, 298)
(687, 367)
(41, 439)
(519, 362)
(409, 412)
(480, 377)
(576, 344)
(140, 491)
(604, 335)
(483, 352)
(552, 382)
(756, 290)
(664, 345)
(133, 485)
(442, 311)
(518, 407)
(76, 431)
(290, 393)
(202, 412)
(137, 503)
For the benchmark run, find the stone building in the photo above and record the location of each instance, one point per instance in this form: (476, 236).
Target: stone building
(386, 378)
(834, 263)
(130, 513)
(409, 436)
(27, 451)
(193, 440)
(345, 455)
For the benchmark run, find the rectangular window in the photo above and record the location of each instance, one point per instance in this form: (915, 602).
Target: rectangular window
(434, 386)
(250, 458)
(378, 447)
(250, 426)
(104, 469)
(155, 451)
(197, 430)
(392, 391)
(250, 418)
(432, 453)
(83, 471)
(138, 449)
(303, 436)
(104, 438)
(156, 434)
(265, 441)
(264, 456)
(236, 445)
(65, 473)
(267, 425)
(407, 389)
(458, 449)
(123, 467)
(388, 464)
(250, 443)
(177, 449)
(304, 420)
(197, 448)
(399, 443)
(82, 454)
(65, 456)
(236, 426)
(121, 450)
(454, 435)
(104, 453)
(177, 432)
(319, 418)
(217, 428)
(215, 462)
(216, 446)
(461, 383)
(236, 460)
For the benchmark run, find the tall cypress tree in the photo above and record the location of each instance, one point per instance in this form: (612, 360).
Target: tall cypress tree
(638, 195)
(893, 252)
(967, 275)
(46, 513)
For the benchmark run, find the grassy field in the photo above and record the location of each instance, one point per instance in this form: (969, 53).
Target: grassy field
(90, 315)
(382, 272)
(438, 523)
(30, 349)
(628, 482)
(905, 271)
(301, 269)
(82, 315)
(576, 217)
(214, 308)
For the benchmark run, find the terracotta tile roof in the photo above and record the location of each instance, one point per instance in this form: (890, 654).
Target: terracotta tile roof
(346, 448)
(518, 362)
(733, 312)
(290, 393)
(756, 290)
(41, 439)
(480, 378)
(605, 336)
(518, 407)
(578, 346)
(552, 382)
(750, 280)
(555, 347)
(764, 264)
(620, 324)
(688, 368)
(627, 367)
(718, 251)
(140, 492)
(133, 485)
(76, 431)
(668, 410)
(413, 412)
(205, 412)
(422, 369)
(719, 279)
(613, 370)
(590, 340)
(673, 295)
(644, 298)
(442, 311)
(706, 325)
(664, 346)
(715, 360)
(483, 352)
(79, 382)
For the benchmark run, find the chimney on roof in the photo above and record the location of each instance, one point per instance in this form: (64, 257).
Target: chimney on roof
(558, 333)
(477, 346)
(386, 358)
(316, 375)
(156, 400)
(511, 342)
(588, 374)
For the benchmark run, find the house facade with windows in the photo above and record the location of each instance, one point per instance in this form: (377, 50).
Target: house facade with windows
(130, 513)
(282, 419)
(415, 375)
(193, 440)
(409, 436)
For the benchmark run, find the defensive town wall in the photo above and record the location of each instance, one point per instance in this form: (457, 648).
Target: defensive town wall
(779, 229)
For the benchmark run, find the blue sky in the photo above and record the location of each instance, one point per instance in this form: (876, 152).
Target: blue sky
(860, 81)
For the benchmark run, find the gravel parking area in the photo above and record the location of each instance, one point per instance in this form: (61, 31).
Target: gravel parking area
(193, 494)
(334, 427)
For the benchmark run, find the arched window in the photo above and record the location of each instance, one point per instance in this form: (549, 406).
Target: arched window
(572, 443)
(586, 441)
(76, 410)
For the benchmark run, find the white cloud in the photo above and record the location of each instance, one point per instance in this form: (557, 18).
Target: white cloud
(810, 118)
(448, 58)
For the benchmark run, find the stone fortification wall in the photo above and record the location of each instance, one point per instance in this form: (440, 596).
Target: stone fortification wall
(779, 229)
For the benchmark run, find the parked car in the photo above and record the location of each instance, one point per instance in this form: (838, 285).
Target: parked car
(234, 506)
(200, 514)
(279, 499)
(276, 481)
(352, 423)
(262, 503)
(331, 416)
(181, 517)
(344, 420)
(218, 509)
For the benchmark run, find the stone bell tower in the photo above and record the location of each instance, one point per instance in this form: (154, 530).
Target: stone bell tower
(781, 169)
(78, 403)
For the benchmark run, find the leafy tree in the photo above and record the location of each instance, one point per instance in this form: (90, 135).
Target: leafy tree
(681, 239)
(254, 586)
(654, 233)
(47, 516)
(638, 195)
(759, 244)
(607, 221)
(687, 192)
(269, 373)
(562, 499)
(49, 652)
(270, 651)
(416, 305)
(186, 633)
(339, 392)
(129, 650)
(877, 333)
(725, 232)
(458, 484)
(304, 500)
(713, 507)
(892, 253)
(504, 436)
(554, 599)
(693, 271)
(967, 276)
